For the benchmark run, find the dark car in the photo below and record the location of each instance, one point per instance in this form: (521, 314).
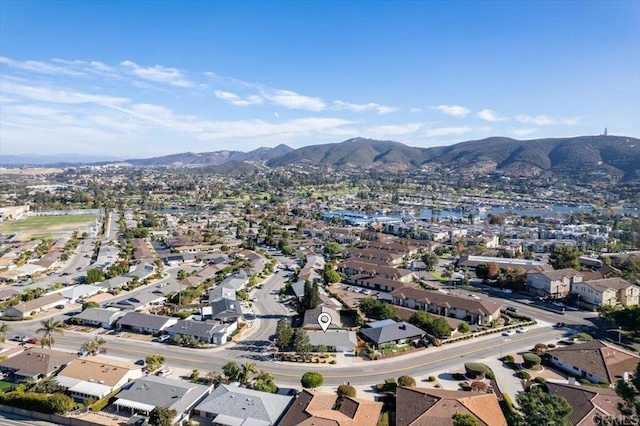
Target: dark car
(560, 325)
(60, 306)
(512, 309)
(140, 362)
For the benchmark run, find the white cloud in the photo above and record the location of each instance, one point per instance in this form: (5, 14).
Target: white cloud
(524, 132)
(572, 121)
(159, 74)
(39, 67)
(538, 120)
(415, 110)
(234, 99)
(293, 100)
(455, 110)
(395, 129)
(445, 131)
(44, 94)
(371, 106)
(490, 115)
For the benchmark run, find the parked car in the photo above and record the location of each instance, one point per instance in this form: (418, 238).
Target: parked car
(560, 325)
(165, 372)
(20, 338)
(33, 341)
(60, 306)
(163, 337)
(509, 333)
(522, 330)
(506, 290)
(512, 309)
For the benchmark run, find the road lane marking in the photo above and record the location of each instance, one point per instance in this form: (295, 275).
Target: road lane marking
(121, 349)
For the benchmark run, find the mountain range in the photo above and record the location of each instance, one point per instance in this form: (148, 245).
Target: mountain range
(617, 157)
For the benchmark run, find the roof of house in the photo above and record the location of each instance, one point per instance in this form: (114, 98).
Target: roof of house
(225, 308)
(434, 407)
(608, 283)
(314, 408)
(162, 392)
(99, 315)
(38, 303)
(242, 403)
(139, 320)
(311, 317)
(78, 291)
(381, 323)
(370, 266)
(392, 332)
(558, 274)
(102, 370)
(598, 358)
(483, 306)
(586, 401)
(37, 361)
(333, 338)
(139, 300)
(204, 329)
(221, 292)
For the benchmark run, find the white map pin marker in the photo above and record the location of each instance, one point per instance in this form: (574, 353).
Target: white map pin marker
(324, 320)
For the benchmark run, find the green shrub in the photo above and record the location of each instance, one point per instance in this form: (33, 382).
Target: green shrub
(432, 378)
(540, 380)
(311, 380)
(523, 375)
(551, 346)
(531, 359)
(475, 369)
(44, 403)
(346, 390)
(540, 348)
(406, 381)
(489, 375)
(507, 358)
(584, 381)
(100, 404)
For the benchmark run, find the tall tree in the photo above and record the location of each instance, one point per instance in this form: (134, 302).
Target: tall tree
(539, 408)
(4, 327)
(565, 256)
(265, 382)
(49, 328)
(311, 296)
(630, 392)
(301, 342)
(231, 371)
(247, 370)
(430, 261)
(161, 416)
(284, 334)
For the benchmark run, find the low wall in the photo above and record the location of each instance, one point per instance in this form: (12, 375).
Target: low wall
(52, 418)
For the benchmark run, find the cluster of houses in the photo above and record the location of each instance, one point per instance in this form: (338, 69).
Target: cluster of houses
(9, 270)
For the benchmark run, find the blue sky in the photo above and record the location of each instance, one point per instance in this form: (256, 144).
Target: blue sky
(143, 78)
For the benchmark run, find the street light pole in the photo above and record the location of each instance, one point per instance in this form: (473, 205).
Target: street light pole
(619, 335)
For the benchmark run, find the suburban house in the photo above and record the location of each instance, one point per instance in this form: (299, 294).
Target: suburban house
(99, 317)
(76, 292)
(375, 282)
(371, 267)
(594, 360)
(149, 392)
(390, 257)
(219, 292)
(204, 331)
(333, 340)
(471, 262)
(587, 402)
(315, 408)
(224, 310)
(230, 405)
(427, 407)
(474, 311)
(310, 321)
(553, 284)
(96, 376)
(396, 333)
(140, 301)
(40, 304)
(236, 281)
(145, 323)
(36, 363)
(607, 291)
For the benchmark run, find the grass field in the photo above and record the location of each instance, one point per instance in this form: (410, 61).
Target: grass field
(43, 226)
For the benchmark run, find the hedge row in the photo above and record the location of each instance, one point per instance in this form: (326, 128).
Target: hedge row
(44, 403)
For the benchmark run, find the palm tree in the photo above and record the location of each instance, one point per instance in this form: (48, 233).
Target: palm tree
(49, 327)
(4, 327)
(248, 368)
(93, 345)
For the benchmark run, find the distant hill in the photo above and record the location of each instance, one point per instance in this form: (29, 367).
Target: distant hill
(37, 160)
(615, 156)
(212, 158)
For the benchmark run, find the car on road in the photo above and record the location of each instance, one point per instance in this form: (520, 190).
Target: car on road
(522, 330)
(559, 325)
(33, 341)
(60, 306)
(473, 296)
(512, 309)
(64, 274)
(509, 333)
(20, 338)
(506, 290)
(140, 362)
(163, 337)
(165, 372)
(78, 268)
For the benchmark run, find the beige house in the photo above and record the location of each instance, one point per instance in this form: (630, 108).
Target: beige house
(608, 291)
(553, 284)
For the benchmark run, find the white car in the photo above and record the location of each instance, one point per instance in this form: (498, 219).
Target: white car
(522, 330)
(509, 333)
(165, 372)
(163, 338)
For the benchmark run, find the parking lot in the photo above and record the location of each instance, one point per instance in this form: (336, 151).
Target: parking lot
(351, 294)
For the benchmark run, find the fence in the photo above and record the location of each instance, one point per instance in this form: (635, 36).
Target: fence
(52, 418)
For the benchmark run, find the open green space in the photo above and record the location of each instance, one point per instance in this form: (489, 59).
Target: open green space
(47, 223)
